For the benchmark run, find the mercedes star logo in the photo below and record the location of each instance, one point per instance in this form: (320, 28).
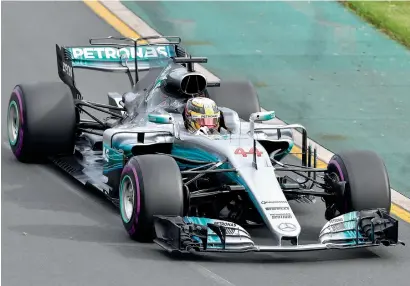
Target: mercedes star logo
(286, 226)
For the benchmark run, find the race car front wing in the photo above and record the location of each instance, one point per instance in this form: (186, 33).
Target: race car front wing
(351, 230)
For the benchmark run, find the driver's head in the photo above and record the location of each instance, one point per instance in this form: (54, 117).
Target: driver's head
(201, 112)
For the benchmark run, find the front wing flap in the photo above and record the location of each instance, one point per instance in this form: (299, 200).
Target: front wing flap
(351, 230)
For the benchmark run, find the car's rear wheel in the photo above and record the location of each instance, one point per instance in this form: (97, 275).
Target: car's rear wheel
(41, 121)
(367, 182)
(237, 95)
(149, 185)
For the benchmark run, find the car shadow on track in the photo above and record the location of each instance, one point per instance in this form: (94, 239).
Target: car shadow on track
(51, 189)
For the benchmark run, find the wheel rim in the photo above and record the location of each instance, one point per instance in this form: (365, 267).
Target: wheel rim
(13, 123)
(127, 198)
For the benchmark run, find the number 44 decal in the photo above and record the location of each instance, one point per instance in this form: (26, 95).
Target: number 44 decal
(241, 151)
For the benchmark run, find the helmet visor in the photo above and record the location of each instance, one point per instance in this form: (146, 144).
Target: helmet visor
(210, 121)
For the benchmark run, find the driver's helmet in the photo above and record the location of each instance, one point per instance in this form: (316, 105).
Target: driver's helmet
(201, 112)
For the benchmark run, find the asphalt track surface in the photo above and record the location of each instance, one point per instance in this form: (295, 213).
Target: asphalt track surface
(55, 232)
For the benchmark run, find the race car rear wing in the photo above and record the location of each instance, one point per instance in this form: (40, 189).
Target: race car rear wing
(116, 59)
(116, 54)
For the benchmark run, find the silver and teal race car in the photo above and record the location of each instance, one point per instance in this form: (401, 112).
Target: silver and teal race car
(193, 191)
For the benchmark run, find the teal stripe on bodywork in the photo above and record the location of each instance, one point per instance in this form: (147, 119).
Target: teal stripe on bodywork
(127, 148)
(193, 153)
(283, 154)
(350, 224)
(212, 236)
(113, 160)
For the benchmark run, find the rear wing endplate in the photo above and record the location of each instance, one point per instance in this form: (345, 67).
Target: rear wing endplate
(65, 70)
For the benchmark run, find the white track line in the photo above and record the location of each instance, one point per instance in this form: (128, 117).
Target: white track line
(143, 29)
(209, 274)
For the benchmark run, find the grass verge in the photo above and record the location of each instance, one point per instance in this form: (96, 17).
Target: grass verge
(391, 17)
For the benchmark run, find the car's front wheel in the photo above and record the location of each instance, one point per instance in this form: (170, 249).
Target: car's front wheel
(149, 185)
(367, 182)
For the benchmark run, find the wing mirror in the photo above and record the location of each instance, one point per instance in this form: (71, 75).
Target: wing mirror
(259, 116)
(160, 118)
(262, 116)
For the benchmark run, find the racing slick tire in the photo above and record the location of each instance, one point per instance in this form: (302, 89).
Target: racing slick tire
(237, 95)
(149, 185)
(41, 121)
(367, 181)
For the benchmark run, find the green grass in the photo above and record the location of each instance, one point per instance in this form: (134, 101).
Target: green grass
(391, 17)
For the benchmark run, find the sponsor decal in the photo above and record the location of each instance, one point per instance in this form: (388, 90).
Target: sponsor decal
(67, 69)
(216, 137)
(241, 151)
(281, 216)
(200, 116)
(105, 154)
(277, 208)
(338, 227)
(273, 202)
(287, 226)
(110, 53)
(225, 223)
(336, 220)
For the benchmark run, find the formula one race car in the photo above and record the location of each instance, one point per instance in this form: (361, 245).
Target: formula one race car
(181, 183)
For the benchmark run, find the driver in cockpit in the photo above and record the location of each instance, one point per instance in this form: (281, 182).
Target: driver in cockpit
(201, 114)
